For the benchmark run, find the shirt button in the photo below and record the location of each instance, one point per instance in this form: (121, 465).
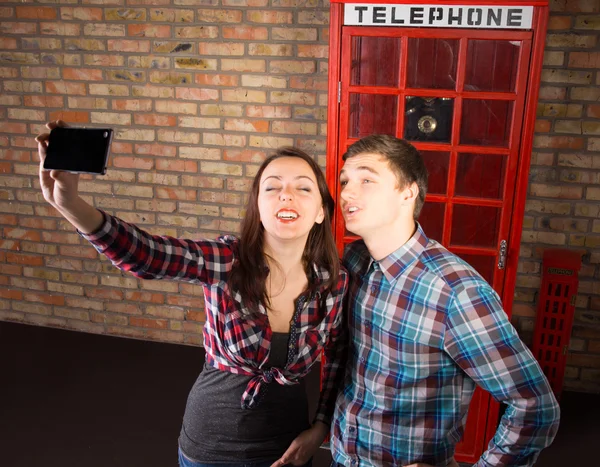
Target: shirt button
(360, 394)
(351, 429)
(374, 288)
(353, 461)
(362, 359)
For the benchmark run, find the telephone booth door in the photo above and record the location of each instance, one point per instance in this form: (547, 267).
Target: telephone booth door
(465, 97)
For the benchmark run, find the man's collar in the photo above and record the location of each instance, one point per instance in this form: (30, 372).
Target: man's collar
(394, 264)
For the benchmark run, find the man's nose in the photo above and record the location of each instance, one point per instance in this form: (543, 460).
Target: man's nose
(347, 192)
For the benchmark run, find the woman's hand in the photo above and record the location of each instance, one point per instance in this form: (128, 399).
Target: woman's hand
(59, 188)
(304, 446)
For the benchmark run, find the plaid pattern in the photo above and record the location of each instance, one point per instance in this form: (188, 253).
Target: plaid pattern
(425, 328)
(235, 341)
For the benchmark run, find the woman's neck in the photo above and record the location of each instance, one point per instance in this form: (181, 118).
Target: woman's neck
(287, 255)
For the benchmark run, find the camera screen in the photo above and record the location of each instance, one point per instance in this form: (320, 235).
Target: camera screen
(78, 149)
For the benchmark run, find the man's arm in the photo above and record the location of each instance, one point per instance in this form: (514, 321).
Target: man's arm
(485, 345)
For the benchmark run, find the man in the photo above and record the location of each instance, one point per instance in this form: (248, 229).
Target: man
(425, 329)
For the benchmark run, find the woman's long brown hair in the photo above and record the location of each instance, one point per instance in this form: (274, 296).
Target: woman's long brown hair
(249, 272)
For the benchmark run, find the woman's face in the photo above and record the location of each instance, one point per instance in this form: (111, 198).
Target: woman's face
(289, 201)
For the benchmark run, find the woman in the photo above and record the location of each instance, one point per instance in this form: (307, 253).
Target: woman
(273, 302)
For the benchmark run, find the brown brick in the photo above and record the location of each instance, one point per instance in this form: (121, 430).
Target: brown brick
(244, 95)
(245, 65)
(83, 14)
(269, 111)
(178, 136)
(295, 34)
(173, 47)
(140, 46)
(20, 28)
(542, 126)
(567, 76)
(218, 139)
(552, 93)
(209, 154)
(260, 126)
(245, 33)
(591, 127)
(125, 14)
(571, 40)
(586, 361)
(593, 144)
(219, 16)
(559, 22)
(568, 126)
(199, 123)
(548, 207)
(216, 80)
(197, 32)
(587, 22)
(584, 60)
(269, 16)
(558, 142)
(152, 91)
(590, 94)
(8, 43)
(273, 50)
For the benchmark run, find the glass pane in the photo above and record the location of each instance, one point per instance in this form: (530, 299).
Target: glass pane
(375, 61)
(475, 225)
(372, 113)
(486, 122)
(428, 118)
(424, 71)
(492, 65)
(480, 175)
(484, 265)
(437, 163)
(432, 219)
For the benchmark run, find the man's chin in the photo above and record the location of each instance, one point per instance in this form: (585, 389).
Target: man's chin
(353, 229)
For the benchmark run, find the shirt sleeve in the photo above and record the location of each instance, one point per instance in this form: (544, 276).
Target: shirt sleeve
(484, 344)
(146, 256)
(334, 353)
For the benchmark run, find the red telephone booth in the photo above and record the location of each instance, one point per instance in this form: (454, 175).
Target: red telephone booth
(460, 80)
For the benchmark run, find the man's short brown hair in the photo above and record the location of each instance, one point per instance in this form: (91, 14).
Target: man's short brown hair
(403, 158)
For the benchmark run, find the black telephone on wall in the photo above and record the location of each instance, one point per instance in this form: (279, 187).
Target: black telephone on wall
(428, 118)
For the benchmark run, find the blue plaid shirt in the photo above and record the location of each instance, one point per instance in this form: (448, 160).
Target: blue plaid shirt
(425, 329)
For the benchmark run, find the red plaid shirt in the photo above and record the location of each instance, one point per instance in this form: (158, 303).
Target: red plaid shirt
(235, 340)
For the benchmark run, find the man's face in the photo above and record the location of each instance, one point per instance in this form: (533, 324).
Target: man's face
(371, 202)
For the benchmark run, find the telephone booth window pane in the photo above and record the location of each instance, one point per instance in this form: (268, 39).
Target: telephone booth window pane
(486, 122)
(484, 265)
(432, 219)
(428, 118)
(480, 175)
(375, 61)
(475, 225)
(372, 114)
(432, 63)
(437, 163)
(492, 65)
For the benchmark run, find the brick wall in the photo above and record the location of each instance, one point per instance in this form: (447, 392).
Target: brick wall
(198, 95)
(563, 207)
(198, 92)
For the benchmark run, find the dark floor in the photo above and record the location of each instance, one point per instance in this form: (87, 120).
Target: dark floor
(70, 399)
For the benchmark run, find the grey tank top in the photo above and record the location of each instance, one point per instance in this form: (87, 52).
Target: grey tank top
(216, 429)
